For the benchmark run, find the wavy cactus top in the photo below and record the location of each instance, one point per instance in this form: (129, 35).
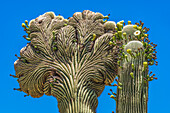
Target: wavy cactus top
(70, 59)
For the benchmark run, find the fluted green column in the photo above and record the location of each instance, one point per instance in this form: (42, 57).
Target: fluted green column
(136, 54)
(133, 96)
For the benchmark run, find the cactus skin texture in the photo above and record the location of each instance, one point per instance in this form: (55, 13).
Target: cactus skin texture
(70, 59)
(73, 59)
(136, 53)
(133, 96)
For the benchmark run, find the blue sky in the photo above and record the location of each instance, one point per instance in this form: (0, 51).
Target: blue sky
(154, 13)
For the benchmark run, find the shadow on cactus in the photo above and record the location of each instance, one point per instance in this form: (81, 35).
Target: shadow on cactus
(70, 59)
(136, 54)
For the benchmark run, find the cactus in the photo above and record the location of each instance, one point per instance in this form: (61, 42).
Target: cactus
(71, 60)
(136, 53)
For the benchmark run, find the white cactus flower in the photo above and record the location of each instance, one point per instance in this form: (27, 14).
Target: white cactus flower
(136, 33)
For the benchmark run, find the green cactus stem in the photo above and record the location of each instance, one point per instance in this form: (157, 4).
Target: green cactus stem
(133, 96)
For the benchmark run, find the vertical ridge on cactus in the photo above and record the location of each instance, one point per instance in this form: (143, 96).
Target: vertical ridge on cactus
(136, 54)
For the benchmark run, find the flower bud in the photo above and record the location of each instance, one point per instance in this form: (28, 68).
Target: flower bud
(129, 51)
(119, 83)
(145, 64)
(129, 22)
(106, 17)
(113, 38)
(23, 25)
(133, 67)
(134, 26)
(119, 87)
(145, 35)
(110, 43)
(26, 22)
(124, 34)
(28, 39)
(132, 75)
(94, 36)
(54, 48)
(112, 96)
(126, 58)
(35, 47)
(139, 27)
(119, 32)
(147, 76)
(122, 21)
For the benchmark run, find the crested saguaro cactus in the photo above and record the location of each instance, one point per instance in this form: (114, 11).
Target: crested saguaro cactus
(136, 53)
(71, 59)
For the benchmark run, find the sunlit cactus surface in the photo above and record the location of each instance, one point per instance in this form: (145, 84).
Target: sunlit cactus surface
(71, 59)
(136, 54)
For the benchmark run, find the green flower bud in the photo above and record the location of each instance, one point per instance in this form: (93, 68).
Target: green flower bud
(139, 27)
(134, 26)
(55, 43)
(26, 22)
(151, 78)
(65, 24)
(113, 38)
(121, 25)
(145, 81)
(55, 80)
(28, 39)
(116, 34)
(145, 35)
(129, 22)
(124, 34)
(126, 58)
(133, 67)
(119, 32)
(110, 43)
(120, 84)
(54, 48)
(74, 40)
(37, 51)
(23, 25)
(112, 96)
(129, 51)
(94, 36)
(53, 35)
(150, 50)
(123, 54)
(119, 87)
(132, 75)
(118, 62)
(145, 64)
(147, 76)
(28, 32)
(121, 22)
(35, 47)
(118, 24)
(106, 17)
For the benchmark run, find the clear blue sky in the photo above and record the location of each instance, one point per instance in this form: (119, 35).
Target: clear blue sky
(154, 13)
